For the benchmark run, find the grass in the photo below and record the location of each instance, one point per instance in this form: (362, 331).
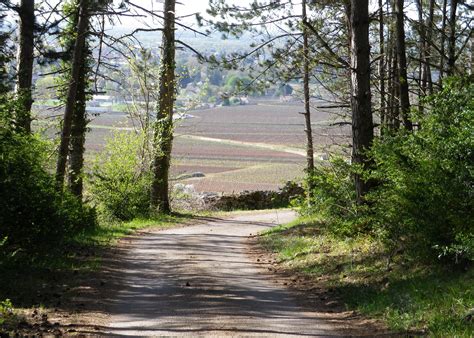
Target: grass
(108, 233)
(409, 296)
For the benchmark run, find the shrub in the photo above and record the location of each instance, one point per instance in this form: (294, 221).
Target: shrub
(34, 215)
(422, 202)
(425, 194)
(332, 196)
(120, 180)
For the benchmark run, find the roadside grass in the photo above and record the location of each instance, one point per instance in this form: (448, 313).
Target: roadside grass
(408, 295)
(109, 232)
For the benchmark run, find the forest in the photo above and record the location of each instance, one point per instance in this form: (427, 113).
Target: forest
(384, 207)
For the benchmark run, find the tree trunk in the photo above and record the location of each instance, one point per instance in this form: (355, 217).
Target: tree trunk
(422, 52)
(402, 65)
(79, 125)
(391, 102)
(429, 37)
(78, 137)
(471, 68)
(77, 62)
(362, 123)
(442, 55)
(422, 70)
(452, 38)
(383, 111)
(307, 110)
(396, 91)
(163, 138)
(25, 63)
(4, 54)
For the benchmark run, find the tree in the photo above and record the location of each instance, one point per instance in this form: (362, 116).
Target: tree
(142, 89)
(362, 123)
(163, 138)
(5, 53)
(307, 97)
(382, 58)
(25, 60)
(79, 119)
(293, 60)
(402, 65)
(442, 54)
(452, 38)
(76, 67)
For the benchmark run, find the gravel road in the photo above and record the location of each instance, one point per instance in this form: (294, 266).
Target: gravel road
(200, 281)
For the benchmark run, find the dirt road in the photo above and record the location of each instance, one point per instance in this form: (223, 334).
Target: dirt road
(200, 280)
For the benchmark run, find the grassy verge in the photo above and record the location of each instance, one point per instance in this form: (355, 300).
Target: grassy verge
(406, 294)
(44, 281)
(109, 233)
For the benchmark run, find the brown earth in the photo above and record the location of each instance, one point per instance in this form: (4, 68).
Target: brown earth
(264, 122)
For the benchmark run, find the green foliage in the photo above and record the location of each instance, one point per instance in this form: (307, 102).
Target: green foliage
(7, 315)
(121, 177)
(425, 198)
(109, 233)
(331, 195)
(413, 297)
(67, 38)
(35, 215)
(236, 84)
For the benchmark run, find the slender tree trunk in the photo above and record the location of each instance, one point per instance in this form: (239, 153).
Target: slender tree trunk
(471, 43)
(25, 63)
(429, 37)
(402, 65)
(77, 62)
(422, 52)
(452, 38)
(396, 91)
(307, 110)
(362, 123)
(383, 108)
(164, 125)
(390, 79)
(422, 75)
(442, 55)
(393, 74)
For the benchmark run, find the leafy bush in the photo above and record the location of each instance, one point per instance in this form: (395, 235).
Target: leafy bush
(332, 196)
(425, 196)
(34, 214)
(121, 177)
(423, 199)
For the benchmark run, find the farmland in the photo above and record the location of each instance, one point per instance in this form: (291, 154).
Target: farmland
(249, 147)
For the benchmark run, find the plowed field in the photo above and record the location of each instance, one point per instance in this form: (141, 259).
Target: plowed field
(256, 146)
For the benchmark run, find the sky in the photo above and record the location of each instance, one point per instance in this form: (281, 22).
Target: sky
(183, 8)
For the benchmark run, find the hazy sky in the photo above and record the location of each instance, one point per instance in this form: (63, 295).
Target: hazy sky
(183, 8)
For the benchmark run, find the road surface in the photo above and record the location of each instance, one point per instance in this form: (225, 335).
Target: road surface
(200, 280)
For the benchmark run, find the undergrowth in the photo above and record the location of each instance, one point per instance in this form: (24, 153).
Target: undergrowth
(409, 295)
